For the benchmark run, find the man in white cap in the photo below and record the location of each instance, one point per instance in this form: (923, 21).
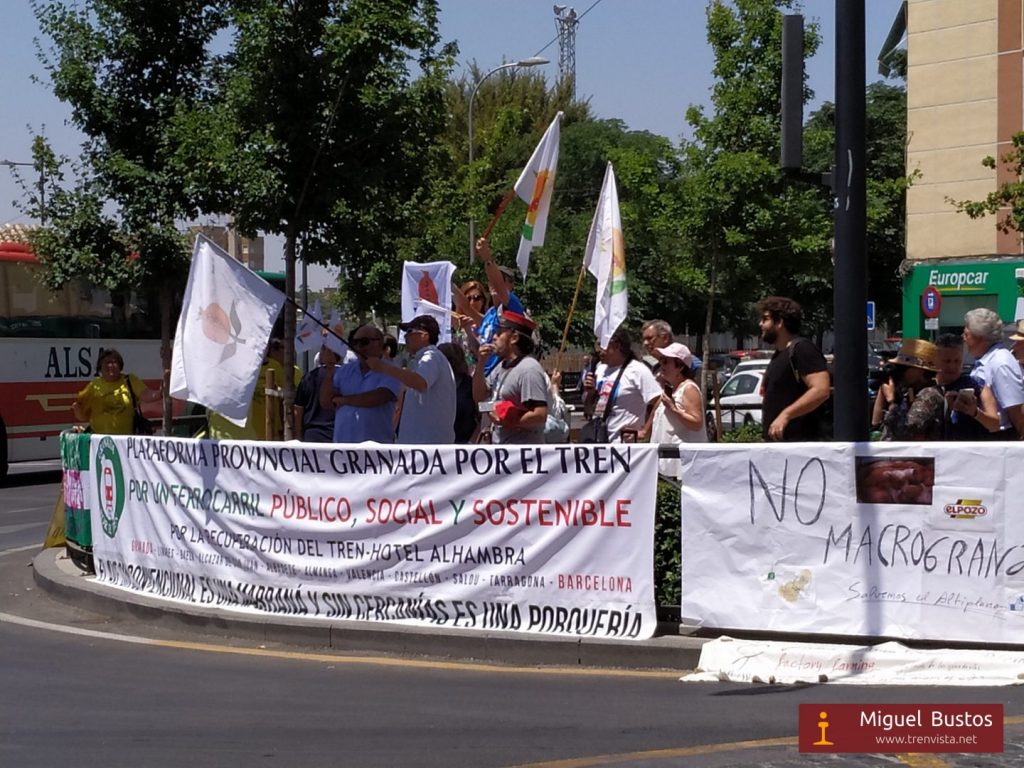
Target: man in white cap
(428, 403)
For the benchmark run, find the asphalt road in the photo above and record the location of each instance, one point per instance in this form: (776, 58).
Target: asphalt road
(92, 690)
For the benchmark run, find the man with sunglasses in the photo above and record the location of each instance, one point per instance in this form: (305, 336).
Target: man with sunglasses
(363, 398)
(428, 405)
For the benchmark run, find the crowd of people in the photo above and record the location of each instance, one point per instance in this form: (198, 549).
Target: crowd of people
(488, 386)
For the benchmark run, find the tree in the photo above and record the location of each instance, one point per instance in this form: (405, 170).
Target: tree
(1008, 198)
(129, 69)
(321, 131)
(747, 231)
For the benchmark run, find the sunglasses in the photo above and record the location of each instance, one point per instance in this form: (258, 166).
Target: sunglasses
(363, 341)
(475, 297)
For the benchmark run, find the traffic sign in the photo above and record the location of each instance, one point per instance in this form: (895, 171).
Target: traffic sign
(931, 301)
(871, 315)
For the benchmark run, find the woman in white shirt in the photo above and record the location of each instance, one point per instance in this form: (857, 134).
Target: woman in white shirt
(679, 417)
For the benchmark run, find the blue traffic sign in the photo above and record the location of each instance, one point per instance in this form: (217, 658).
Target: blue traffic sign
(871, 315)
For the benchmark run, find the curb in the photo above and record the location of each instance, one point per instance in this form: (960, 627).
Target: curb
(54, 573)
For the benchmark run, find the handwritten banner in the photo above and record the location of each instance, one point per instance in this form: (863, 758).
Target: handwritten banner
(907, 540)
(550, 539)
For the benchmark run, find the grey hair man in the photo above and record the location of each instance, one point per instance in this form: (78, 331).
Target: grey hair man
(996, 368)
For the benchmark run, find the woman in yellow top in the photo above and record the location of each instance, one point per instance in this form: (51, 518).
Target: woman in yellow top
(106, 402)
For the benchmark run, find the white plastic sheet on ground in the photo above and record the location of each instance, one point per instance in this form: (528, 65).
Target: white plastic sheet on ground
(764, 661)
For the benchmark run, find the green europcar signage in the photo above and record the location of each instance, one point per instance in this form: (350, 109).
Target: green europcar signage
(963, 286)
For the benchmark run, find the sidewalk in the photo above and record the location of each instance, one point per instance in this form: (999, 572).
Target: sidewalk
(58, 576)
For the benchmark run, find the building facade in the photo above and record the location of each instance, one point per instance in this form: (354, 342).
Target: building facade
(965, 101)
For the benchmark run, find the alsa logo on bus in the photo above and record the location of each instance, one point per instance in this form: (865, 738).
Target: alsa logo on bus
(62, 364)
(957, 281)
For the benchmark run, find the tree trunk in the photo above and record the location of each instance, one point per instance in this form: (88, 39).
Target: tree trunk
(166, 300)
(288, 385)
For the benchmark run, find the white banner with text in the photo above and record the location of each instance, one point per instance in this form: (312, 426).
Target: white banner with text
(553, 539)
(904, 540)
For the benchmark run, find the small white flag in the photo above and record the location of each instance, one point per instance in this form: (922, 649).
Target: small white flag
(534, 187)
(605, 258)
(332, 340)
(227, 315)
(308, 336)
(425, 286)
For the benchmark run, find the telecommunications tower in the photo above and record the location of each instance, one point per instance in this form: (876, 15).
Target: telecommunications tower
(566, 23)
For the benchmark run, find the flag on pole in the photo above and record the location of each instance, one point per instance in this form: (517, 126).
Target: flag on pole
(227, 316)
(308, 335)
(427, 290)
(605, 258)
(535, 185)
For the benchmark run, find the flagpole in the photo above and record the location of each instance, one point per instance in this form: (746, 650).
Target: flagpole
(568, 319)
(498, 213)
(326, 327)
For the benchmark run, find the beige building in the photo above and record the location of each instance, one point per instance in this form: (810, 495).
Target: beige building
(249, 252)
(964, 102)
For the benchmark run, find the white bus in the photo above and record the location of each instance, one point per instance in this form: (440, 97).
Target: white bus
(49, 345)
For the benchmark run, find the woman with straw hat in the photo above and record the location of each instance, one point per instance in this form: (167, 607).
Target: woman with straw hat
(917, 408)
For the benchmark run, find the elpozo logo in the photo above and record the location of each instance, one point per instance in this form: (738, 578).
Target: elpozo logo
(109, 485)
(965, 509)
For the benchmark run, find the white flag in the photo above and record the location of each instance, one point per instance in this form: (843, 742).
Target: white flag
(332, 340)
(535, 185)
(227, 316)
(427, 290)
(308, 335)
(605, 258)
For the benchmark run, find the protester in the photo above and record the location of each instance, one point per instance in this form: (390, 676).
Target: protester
(917, 407)
(655, 335)
(312, 422)
(390, 346)
(364, 399)
(106, 402)
(501, 281)
(996, 368)
(467, 417)
(515, 393)
(1017, 337)
(622, 390)
(796, 382)
(679, 415)
(428, 402)
(953, 382)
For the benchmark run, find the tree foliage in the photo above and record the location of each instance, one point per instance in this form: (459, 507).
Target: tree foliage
(1006, 203)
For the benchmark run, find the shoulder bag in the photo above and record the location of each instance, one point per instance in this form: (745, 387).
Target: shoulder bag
(596, 430)
(140, 424)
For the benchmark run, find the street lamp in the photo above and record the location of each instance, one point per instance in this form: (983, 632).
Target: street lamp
(533, 61)
(42, 180)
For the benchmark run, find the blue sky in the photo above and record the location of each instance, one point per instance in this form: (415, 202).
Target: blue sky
(643, 61)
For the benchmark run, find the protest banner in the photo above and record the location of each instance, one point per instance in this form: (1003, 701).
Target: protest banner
(553, 539)
(902, 540)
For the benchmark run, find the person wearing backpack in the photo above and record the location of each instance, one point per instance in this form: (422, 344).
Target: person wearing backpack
(796, 382)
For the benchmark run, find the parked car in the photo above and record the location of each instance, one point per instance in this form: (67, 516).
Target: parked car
(741, 399)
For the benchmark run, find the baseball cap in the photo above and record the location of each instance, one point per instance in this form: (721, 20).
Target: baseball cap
(422, 323)
(508, 272)
(678, 351)
(515, 321)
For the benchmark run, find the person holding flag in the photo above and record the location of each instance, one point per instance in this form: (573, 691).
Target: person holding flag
(534, 187)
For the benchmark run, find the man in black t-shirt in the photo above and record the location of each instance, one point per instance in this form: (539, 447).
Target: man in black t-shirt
(796, 381)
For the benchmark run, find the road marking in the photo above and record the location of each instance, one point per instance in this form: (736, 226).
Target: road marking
(656, 754)
(328, 658)
(20, 527)
(915, 760)
(20, 549)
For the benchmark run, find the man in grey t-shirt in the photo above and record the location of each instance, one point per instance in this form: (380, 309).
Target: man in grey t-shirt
(516, 390)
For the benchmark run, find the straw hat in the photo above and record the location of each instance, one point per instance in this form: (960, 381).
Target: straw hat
(1018, 334)
(918, 353)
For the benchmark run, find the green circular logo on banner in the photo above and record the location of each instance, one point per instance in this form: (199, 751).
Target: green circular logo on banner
(109, 485)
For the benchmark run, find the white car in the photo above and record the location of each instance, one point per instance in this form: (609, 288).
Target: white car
(742, 389)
